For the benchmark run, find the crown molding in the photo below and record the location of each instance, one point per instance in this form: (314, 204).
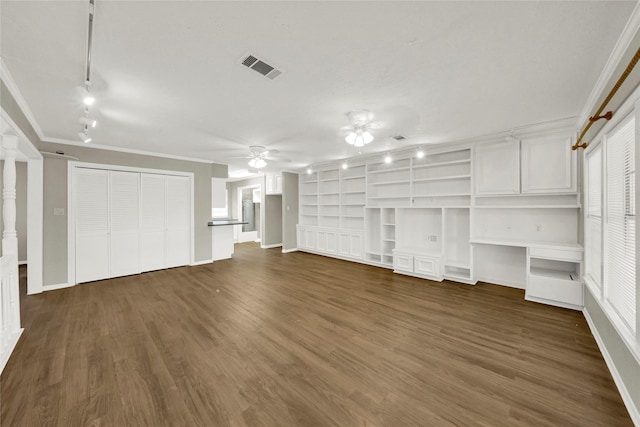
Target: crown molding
(624, 41)
(25, 147)
(126, 150)
(8, 80)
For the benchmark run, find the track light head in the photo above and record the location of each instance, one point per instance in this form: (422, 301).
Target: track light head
(87, 121)
(84, 137)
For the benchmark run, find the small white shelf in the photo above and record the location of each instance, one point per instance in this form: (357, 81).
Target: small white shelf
(388, 240)
(442, 178)
(328, 194)
(353, 192)
(555, 274)
(404, 168)
(441, 195)
(329, 216)
(389, 224)
(352, 216)
(528, 207)
(436, 164)
(353, 177)
(330, 180)
(403, 181)
(354, 204)
(457, 264)
(526, 243)
(388, 197)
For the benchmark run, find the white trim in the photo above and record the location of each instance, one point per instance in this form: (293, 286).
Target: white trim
(634, 413)
(26, 148)
(286, 251)
(72, 166)
(22, 262)
(125, 150)
(276, 245)
(46, 288)
(35, 225)
(8, 80)
(620, 48)
(11, 345)
(206, 261)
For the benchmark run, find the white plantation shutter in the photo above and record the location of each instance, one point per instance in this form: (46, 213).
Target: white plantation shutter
(593, 226)
(152, 221)
(178, 223)
(620, 231)
(124, 219)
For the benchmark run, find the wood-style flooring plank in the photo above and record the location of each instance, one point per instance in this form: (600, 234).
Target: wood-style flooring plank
(271, 339)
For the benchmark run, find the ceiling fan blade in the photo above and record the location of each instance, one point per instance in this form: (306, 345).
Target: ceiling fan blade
(277, 159)
(269, 152)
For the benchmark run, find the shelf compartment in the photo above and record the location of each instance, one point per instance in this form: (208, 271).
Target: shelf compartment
(442, 171)
(422, 165)
(443, 178)
(353, 223)
(353, 172)
(454, 272)
(354, 198)
(389, 191)
(442, 187)
(329, 199)
(446, 158)
(329, 186)
(329, 221)
(381, 167)
(353, 185)
(403, 175)
(331, 174)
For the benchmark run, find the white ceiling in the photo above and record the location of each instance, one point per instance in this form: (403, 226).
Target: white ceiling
(167, 77)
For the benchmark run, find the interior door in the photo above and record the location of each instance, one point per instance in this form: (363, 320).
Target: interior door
(152, 222)
(178, 223)
(92, 224)
(124, 219)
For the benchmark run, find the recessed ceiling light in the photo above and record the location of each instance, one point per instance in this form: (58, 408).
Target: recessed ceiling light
(309, 171)
(89, 100)
(420, 154)
(387, 159)
(345, 165)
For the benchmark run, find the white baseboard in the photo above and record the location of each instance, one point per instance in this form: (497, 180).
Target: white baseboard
(634, 412)
(286, 251)
(277, 245)
(22, 262)
(46, 288)
(206, 261)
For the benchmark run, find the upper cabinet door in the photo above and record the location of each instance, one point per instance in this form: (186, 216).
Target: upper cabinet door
(548, 165)
(497, 168)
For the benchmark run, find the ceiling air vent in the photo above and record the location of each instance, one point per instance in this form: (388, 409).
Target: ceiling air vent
(399, 137)
(260, 66)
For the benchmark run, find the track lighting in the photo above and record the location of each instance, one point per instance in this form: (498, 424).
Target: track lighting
(84, 137)
(87, 121)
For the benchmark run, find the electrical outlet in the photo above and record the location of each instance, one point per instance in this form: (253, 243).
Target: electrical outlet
(58, 211)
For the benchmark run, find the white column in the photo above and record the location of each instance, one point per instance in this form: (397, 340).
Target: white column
(9, 235)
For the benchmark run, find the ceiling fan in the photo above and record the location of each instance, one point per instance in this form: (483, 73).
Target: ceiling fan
(358, 132)
(258, 156)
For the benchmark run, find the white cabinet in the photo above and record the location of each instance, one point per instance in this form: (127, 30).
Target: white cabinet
(327, 240)
(350, 244)
(497, 168)
(554, 276)
(416, 264)
(274, 184)
(548, 166)
(544, 165)
(306, 237)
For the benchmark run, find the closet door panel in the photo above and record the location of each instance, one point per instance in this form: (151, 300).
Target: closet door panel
(124, 218)
(152, 222)
(178, 221)
(92, 224)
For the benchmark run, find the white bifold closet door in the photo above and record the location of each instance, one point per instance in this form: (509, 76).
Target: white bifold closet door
(124, 222)
(177, 221)
(153, 207)
(92, 225)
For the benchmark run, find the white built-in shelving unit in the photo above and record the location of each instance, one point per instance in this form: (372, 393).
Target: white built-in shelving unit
(503, 211)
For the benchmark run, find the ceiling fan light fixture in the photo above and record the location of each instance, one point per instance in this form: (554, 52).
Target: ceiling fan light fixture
(257, 162)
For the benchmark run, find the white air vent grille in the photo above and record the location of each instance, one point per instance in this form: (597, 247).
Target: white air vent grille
(399, 137)
(260, 66)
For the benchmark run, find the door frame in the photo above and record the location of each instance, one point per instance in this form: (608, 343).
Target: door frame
(239, 211)
(72, 167)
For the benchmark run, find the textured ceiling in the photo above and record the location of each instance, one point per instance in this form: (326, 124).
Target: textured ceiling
(167, 77)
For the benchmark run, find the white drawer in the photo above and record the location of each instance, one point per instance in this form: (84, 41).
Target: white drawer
(561, 254)
(427, 265)
(403, 262)
(549, 288)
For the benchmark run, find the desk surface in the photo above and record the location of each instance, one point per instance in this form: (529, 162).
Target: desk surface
(226, 221)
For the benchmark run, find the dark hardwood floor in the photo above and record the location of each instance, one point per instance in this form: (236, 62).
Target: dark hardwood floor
(271, 339)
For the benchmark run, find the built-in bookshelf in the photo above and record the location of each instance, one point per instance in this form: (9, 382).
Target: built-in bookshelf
(389, 184)
(308, 199)
(352, 197)
(442, 179)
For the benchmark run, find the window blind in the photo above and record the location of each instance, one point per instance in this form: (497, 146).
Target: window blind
(593, 226)
(620, 244)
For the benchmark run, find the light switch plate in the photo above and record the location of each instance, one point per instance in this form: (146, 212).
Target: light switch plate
(58, 211)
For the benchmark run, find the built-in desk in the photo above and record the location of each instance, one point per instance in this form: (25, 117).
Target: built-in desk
(222, 237)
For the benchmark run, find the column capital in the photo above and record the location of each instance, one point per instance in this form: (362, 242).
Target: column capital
(9, 142)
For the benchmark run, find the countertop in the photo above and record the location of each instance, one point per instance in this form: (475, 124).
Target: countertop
(216, 222)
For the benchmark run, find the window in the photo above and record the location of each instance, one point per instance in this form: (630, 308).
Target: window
(620, 227)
